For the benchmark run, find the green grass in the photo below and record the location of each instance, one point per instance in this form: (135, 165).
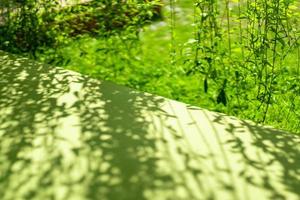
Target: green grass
(148, 65)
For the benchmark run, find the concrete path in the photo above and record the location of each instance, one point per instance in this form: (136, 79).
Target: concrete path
(67, 136)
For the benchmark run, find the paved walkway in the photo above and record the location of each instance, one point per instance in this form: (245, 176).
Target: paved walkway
(67, 136)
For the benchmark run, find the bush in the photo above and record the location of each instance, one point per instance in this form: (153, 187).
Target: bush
(31, 25)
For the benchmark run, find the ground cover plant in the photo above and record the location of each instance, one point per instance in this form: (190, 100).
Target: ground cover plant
(240, 57)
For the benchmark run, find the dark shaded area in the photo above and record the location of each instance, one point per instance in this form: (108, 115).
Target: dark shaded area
(31, 26)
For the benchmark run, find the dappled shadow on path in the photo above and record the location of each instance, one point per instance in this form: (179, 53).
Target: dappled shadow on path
(282, 162)
(222, 157)
(66, 136)
(268, 158)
